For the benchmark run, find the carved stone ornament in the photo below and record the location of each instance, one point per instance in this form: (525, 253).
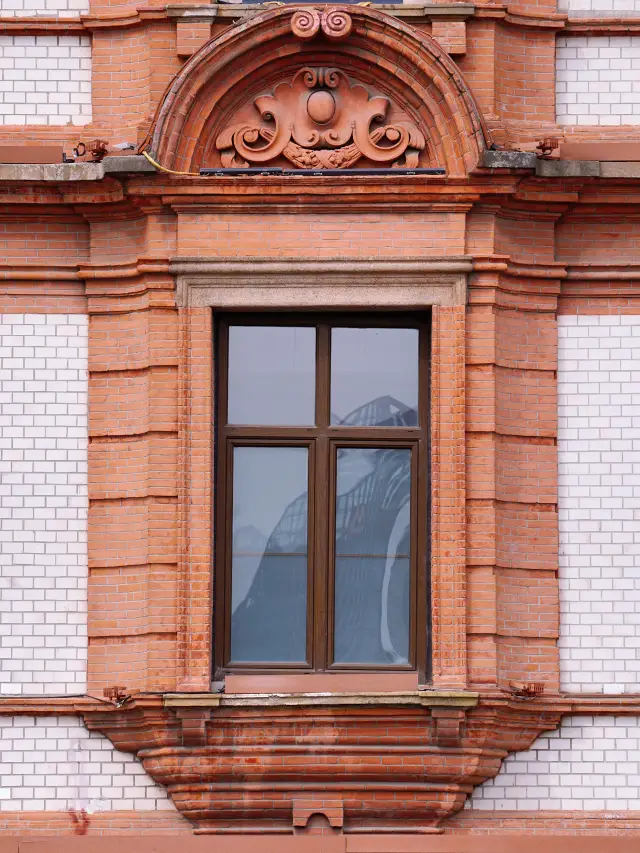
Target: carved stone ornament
(320, 120)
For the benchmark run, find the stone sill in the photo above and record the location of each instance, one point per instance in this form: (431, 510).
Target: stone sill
(424, 698)
(415, 12)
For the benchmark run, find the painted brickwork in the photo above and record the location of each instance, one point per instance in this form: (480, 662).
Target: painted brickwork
(45, 80)
(588, 764)
(43, 504)
(597, 80)
(599, 494)
(55, 764)
(61, 8)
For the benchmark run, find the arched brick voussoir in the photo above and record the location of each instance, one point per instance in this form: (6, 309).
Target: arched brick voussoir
(423, 79)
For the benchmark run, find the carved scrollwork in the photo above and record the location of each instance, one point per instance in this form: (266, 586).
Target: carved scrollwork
(305, 23)
(335, 22)
(320, 120)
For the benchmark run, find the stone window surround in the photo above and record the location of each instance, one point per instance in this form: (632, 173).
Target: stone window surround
(205, 285)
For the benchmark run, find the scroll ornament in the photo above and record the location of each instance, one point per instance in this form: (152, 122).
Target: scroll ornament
(321, 121)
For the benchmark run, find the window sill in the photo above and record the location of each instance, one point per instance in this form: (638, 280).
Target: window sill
(425, 698)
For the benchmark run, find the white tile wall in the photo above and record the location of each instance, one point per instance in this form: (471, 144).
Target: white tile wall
(604, 8)
(588, 764)
(598, 80)
(599, 502)
(55, 764)
(43, 504)
(59, 8)
(45, 80)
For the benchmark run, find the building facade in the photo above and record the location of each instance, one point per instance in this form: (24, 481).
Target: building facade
(320, 428)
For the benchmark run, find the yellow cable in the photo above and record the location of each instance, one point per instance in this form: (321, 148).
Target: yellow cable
(170, 171)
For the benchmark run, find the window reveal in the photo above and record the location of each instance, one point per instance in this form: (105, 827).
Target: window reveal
(321, 527)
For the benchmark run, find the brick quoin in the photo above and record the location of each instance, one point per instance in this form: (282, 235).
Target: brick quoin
(532, 455)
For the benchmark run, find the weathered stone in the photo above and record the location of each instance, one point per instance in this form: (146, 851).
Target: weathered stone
(509, 160)
(568, 169)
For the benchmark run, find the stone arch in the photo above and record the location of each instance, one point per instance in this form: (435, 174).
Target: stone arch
(395, 63)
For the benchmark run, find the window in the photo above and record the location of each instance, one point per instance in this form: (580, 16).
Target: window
(322, 493)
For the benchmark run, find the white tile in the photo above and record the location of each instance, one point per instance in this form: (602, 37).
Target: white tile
(56, 763)
(43, 506)
(529, 780)
(45, 79)
(596, 82)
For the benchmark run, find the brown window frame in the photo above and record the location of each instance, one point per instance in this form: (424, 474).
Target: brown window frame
(323, 441)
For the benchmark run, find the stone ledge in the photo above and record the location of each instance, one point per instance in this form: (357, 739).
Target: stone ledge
(568, 168)
(509, 160)
(127, 164)
(71, 172)
(425, 698)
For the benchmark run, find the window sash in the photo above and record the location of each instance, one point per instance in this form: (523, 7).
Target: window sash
(323, 442)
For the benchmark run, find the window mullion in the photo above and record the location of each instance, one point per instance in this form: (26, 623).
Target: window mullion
(321, 556)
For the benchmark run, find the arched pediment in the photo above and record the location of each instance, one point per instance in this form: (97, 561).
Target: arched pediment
(327, 87)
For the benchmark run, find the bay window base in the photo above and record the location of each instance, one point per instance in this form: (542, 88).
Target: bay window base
(357, 762)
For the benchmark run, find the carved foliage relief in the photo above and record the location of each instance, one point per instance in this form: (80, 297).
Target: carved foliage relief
(321, 119)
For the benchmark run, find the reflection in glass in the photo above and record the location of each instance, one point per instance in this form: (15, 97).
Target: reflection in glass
(374, 377)
(269, 554)
(272, 375)
(372, 559)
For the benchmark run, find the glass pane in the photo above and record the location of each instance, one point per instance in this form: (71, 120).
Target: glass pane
(272, 375)
(372, 574)
(269, 554)
(374, 377)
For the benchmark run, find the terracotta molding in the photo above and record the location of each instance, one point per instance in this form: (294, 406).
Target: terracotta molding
(602, 25)
(135, 18)
(42, 26)
(605, 272)
(307, 282)
(35, 272)
(40, 706)
(554, 270)
(530, 19)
